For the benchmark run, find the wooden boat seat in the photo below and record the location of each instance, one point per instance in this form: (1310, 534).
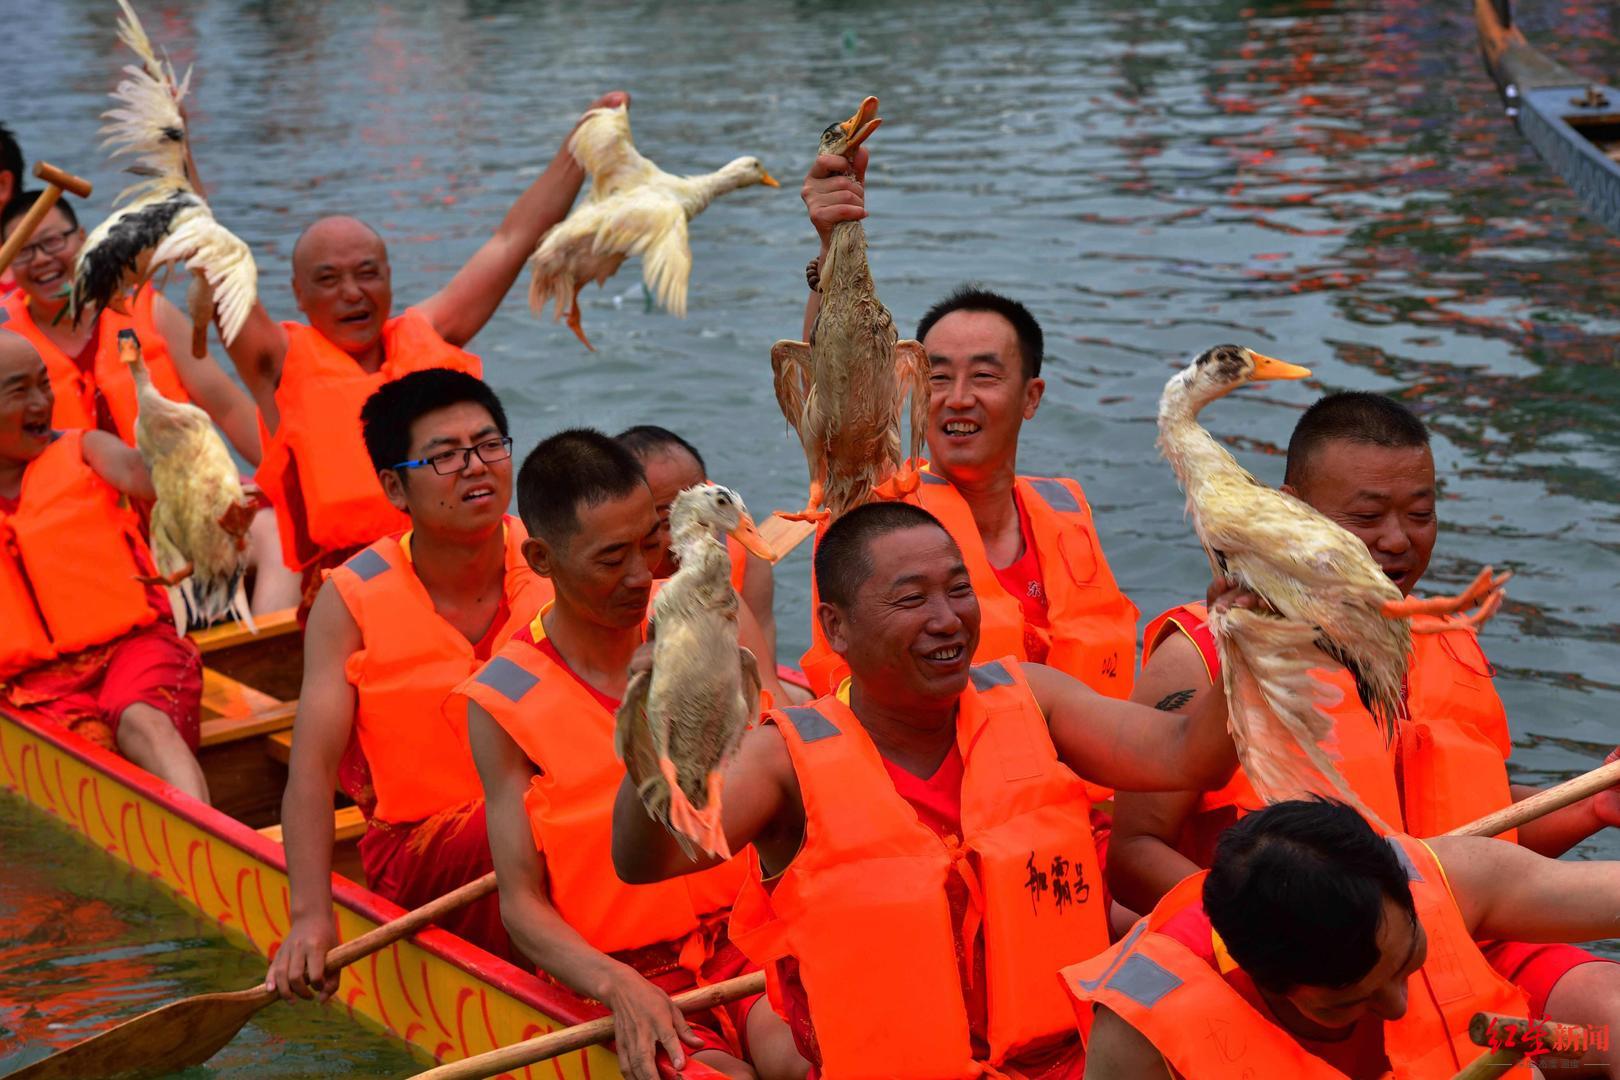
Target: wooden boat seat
(231, 634)
(348, 823)
(233, 710)
(278, 744)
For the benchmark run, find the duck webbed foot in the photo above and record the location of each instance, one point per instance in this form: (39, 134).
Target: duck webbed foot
(815, 508)
(1484, 593)
(574, 323)
(702, 827)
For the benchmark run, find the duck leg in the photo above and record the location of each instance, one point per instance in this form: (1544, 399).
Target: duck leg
(573, 319)
(911, 374)
(1485, 592)
(168, 580)
(200, 303)
(702, 827)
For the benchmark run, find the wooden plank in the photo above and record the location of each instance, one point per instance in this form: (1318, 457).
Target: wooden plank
(231, 634)
(279, 746)
(348, 824)
(224, 729)
(223, 696)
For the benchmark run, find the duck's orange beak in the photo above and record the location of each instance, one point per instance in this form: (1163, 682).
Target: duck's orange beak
(858, 127)
(1269, 367)
(748, 535)
(768, 180)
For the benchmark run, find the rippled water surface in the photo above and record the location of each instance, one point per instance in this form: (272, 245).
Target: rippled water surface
(1333, 182)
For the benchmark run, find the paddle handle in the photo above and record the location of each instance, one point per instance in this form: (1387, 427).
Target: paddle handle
(1487, 1029)
(408, 923)
(1543, 802)
(55, 180)
(589, 1033)
(1490, 1066)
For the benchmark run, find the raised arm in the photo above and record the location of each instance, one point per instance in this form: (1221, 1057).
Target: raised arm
(207, 384)
(832, 193)
(460, 309)
(1509, 893)
(326, 705)
(643, 1017)
(118, 463)
(258, 352)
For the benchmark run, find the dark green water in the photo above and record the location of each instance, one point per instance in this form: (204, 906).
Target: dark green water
(1331, 182)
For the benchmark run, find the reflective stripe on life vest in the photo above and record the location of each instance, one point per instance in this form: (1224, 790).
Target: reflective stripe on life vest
(1205, 1027)
(569, 736)
(409, 661)
(75, 390)
(316, 470)
(1093, 624)
(863, 907)
(68, 562)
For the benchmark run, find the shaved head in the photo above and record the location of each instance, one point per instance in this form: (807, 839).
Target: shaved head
(16, 353)
(342, 283)
(337, 230)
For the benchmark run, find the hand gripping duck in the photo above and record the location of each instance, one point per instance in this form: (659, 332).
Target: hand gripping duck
(681, 721)
(843, 391)
(633, 208)
(201, 518)
(1324, 592)
(164, 219)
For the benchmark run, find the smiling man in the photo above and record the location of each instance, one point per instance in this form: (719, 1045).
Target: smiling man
(923, 858)
(309, 380)
(1364, 460)
(1029, 543)
(392, 633)
(1316, 949)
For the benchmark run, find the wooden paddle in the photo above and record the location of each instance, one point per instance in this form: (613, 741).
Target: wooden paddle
(189, 1032)
(578, 1037)
(782, 535)
(1543, 802)
(55, 181)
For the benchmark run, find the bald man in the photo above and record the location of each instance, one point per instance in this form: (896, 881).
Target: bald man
(309, 381)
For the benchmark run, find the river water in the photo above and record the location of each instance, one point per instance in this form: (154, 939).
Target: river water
(1331, 182)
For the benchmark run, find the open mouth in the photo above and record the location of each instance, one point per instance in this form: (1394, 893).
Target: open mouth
(483, 493)
(960, 429)
(358, 318)
(946, 655)
(46, 278)
(38, 429)
(1397, 576)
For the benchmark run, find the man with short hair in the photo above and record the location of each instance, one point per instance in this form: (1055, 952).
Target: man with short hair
(540, 716)
(923, 857)
(1045, 588)
(394, 630)
(672, 465)
(85, 645)
(309, 381)
(1364, 461)
(1315, 948)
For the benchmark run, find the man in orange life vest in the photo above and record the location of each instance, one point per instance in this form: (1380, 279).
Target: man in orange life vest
(1364, 461)
(92, 384)
(922, 855)
(309, 381)
(393, 631)
(1044, 586)
(1315, 948)
(86, 645)
(672, 465)
(540, 717)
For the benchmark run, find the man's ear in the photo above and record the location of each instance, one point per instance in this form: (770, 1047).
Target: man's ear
(1034, 391)
(393, 485)
(538, 554)
(1290, 489)
(833, 627)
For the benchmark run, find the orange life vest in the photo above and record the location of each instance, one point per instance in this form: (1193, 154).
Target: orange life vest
(68, 562)
(409, 661)
(1207, 1029)
(1093, 624)
(315, 469)
(568, 735)
(75, 392)
(863, 907)
(1446, 766)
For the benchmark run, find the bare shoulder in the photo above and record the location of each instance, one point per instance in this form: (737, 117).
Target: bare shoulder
(1117, 1051)
(1174, 676)
(331, 629)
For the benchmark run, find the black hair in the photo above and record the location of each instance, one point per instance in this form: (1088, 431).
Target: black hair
(574, 468)
(1354, 415)
(843, 556)
(1297, 893)
(387, 415)
(11, 161)
(23, 201)
(645, 440)
(1031, 342)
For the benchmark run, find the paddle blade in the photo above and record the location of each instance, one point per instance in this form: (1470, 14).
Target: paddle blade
(166, 1039)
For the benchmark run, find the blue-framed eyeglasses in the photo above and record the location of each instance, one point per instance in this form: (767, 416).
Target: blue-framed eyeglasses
(449, 462)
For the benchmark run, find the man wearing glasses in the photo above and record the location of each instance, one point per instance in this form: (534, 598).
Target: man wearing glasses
(392, 631)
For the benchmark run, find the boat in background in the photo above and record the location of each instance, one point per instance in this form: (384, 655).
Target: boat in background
(446, 998)
(1573, 122)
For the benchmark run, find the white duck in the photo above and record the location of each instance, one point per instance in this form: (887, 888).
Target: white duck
(633, 208)
(163, 218)
(680, 722)
(201, 517)
(1325, 593)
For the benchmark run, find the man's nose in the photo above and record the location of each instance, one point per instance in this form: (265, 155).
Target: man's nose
(1391, 537)
(1389, 1003)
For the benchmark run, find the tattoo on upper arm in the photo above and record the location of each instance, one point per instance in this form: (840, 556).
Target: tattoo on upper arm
(1175, 700)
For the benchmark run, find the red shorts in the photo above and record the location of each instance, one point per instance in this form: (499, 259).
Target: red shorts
(88, 692)
(723, 1028)
(1535, 969)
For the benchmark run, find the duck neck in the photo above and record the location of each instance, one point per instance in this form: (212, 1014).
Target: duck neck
(701, 555)
(845, 266)
(700, 191)
(1192, 452)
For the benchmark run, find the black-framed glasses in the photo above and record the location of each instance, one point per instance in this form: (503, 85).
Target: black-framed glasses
(449, 462)
(45, 245)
